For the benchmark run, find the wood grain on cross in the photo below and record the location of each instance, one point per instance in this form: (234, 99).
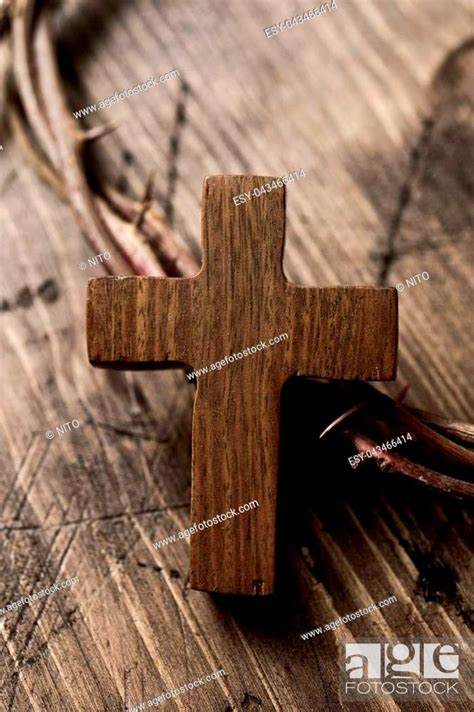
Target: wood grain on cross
(240, 298)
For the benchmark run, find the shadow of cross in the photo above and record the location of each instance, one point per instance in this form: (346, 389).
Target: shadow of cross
(239, 299)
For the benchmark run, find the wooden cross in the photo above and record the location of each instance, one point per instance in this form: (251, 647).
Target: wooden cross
(240, 298)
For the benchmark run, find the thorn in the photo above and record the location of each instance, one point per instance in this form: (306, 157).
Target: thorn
(98, 132)
(401, 396)
(146, 200)
(148, 194)
(341, 418)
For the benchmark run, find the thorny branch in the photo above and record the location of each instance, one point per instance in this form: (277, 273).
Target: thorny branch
(41, 122)
(394, 463)
(41, 119)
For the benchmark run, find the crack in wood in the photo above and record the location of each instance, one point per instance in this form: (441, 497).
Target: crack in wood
(404, 198)
(123, 430)
(4, 526)
(29, 636)
(174, 150)
(250, 701)
(447, 92)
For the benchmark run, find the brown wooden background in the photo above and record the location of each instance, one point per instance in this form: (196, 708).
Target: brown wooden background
(374, 102)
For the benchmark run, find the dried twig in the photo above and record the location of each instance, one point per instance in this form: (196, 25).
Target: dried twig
(377, 412)
(141, 238)
(395, 464)
(176, 260)
(451, 428)
(5, 10)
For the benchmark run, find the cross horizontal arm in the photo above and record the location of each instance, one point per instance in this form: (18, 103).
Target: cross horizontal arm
(343, 332)
(140, 322)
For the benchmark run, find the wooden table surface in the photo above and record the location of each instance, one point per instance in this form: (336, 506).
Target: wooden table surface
(373, 101)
